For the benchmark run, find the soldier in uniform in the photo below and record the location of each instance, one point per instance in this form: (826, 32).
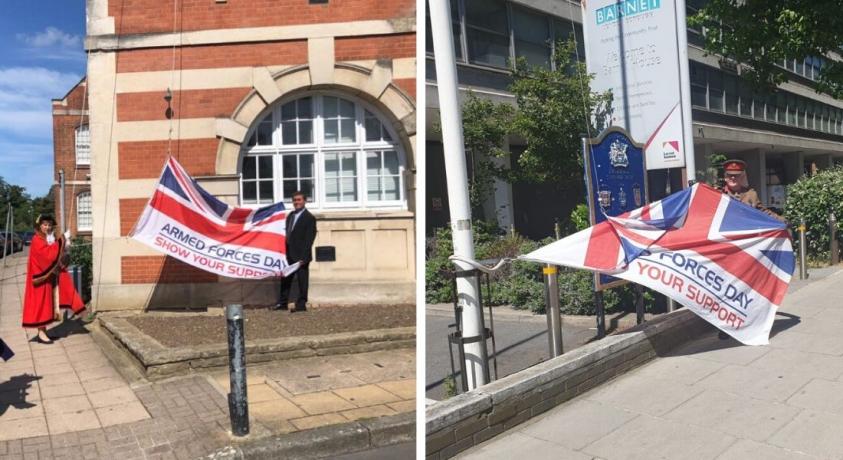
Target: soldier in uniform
(737, 187)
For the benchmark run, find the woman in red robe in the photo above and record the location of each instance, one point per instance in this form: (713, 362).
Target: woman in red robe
(47, 278)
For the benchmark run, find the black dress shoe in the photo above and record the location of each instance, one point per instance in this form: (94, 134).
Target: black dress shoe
(278, 306)
(297, 310)
(42, 341)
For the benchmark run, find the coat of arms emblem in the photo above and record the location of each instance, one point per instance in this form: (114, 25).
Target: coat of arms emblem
(617, 154)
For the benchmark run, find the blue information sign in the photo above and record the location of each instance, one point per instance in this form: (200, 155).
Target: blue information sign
(616, 181)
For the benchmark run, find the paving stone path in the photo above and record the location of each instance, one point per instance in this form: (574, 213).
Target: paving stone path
(711, 398)
(68, 400)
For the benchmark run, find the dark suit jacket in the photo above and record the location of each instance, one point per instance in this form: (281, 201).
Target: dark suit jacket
(300, 238)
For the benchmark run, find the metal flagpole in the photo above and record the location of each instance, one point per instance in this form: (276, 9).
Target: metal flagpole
(476, 360)
(685, 90)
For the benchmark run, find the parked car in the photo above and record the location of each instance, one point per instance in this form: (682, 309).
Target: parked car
(12, 245)
(26, 237)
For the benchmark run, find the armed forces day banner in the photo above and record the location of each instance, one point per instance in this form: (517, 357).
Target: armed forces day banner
(726, 261)
(187, 223)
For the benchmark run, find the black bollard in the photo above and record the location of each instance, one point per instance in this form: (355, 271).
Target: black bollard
(238, 407)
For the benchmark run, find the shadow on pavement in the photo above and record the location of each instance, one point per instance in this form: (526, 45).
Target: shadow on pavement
(67, 328)
(13, 392)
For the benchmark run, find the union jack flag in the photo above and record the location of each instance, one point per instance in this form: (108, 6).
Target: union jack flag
(185, 221)
(728, 262)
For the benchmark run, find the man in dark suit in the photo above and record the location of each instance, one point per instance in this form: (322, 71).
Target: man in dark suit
(301, 232)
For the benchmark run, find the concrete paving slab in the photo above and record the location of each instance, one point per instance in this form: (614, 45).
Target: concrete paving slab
(58, 379)
(734, 415)
(404, 389)
(517, 445)
(112, 397)
(683, 369)
(783, 360)
(366, 395)
(755, 382)
(261, 392)
(67, 404)
(108, 383)
(279, 409)
(60, 368)
(61, 390)
(579, 424)
(403, 406)
(64, 422)
(815, 433)
(368, 412)
(643, 395)
(321, 403)
(124, 413)
(315, 421)
(31, 410)
(710, 347)
(745, 449)
(648, 437)
(22, 428)
(97, 373)
(795, 340)
(820, 395)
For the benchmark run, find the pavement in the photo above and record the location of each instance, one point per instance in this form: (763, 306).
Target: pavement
(520, 339)
(711, 398)
(77, 398)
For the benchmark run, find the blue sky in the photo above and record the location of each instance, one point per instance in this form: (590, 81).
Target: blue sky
(41, 57)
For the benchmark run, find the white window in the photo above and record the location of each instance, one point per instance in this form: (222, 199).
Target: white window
(336, 150)
(83, 145)
(84, 219)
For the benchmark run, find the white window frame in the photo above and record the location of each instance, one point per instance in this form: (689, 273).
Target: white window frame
(89, 212)
(319, 148)
(85, 159)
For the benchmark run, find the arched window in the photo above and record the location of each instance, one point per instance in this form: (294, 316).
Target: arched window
(84, 219)
(336, 150)
(83, 145)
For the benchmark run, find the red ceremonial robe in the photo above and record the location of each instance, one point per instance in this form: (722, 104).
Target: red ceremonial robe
(41, 278)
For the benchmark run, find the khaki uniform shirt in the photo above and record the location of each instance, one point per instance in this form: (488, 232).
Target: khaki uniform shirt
(750, 197)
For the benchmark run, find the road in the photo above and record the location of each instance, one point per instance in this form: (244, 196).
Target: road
(521, 342)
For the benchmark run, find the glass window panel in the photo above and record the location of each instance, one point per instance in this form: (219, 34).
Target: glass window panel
(346, 108)
(330, 106)
(373, 129)
(288, 163)
(266, 190)
(731, 90)
(348, 134)
(488, 48)
(306, 187)
(390, 162)
(391, 188)
(331, 131)
(249, 167)
(373, 188)
(265, 167)
(771, 108)
(250, 191)
(288, 133)
(306, 132)
(532, 37)
(253, 139)
(386, 135)
(265, 132)
(348, 164)
(332, 165)
(715, 91)
(288, 111)
(306, 165)
(349, 189)
(290, 187)
(373, 163)
(305, 106)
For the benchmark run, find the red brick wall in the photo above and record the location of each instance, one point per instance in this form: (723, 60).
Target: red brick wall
(148, 16)
(408, 85)
(144, 159)
(130, 210)
(64, 154)
(161, 269)
(375, 47)
(214, 56)
(217, 103)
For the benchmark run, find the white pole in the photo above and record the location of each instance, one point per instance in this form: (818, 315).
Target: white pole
(476, 360)
(61, 201)
(685, 91)
(6, 234)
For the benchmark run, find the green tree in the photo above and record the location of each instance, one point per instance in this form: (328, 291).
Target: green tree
(555, 108)
(762, 34)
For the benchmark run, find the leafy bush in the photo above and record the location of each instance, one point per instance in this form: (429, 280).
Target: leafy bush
(519, 284)
(80, 254)
(814, 198)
